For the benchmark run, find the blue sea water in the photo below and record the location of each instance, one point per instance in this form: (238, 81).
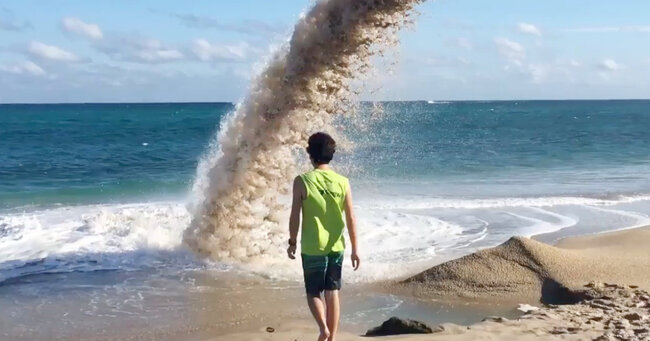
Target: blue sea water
(526, 148)
(92, 153)
(78, 181)
(96, 153)
(93, 197)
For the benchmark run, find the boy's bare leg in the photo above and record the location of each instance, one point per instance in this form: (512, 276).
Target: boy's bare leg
(333, 312)
(318, 311)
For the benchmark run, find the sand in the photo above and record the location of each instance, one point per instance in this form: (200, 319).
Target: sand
(523, 269)
(574, 273)
(609, 312)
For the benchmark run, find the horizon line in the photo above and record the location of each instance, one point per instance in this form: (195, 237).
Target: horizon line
(362, 101)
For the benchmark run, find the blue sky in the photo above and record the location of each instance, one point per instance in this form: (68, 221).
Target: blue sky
(167, 51)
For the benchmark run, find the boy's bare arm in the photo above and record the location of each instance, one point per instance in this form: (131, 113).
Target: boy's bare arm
(294, 218)
(351, 223)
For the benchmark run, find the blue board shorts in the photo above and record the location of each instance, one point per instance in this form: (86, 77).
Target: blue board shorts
(322, 272)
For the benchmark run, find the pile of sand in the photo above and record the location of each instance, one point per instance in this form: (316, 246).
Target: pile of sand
(525, 269)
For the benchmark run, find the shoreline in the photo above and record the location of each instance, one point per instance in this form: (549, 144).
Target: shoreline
(209, 305)
(625, 249)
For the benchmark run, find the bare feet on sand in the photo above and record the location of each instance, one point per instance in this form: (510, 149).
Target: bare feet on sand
(324, 335)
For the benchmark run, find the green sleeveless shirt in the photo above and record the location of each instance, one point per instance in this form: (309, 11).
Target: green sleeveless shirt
(322, 212)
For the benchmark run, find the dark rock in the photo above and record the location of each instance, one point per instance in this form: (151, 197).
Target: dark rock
(633, 317)
(396, 326)
(270, 329)
(559, 331)
(641, 331)
(497, 319)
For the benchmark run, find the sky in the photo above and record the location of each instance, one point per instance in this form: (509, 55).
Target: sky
(207, 51)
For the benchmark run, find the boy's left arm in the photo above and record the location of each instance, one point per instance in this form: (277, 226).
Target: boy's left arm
(351, 223)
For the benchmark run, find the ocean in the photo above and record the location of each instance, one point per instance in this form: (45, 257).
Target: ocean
(94, 198)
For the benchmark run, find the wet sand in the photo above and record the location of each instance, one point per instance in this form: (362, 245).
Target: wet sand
(526, 271)
(608, 312)
(199, 305)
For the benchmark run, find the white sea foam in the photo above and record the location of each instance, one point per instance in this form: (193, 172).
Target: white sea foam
(394, 238)
(423, 203)
(540, 226)
(641, 219)
(96, 237)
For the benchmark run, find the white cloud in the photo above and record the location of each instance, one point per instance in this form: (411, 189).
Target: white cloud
(250, 27)
(511, 50)
(26, 67)
(609, 65)
(51, 52)
(444, 62)
(463, 61)
(77, 26)
(602, 29)
(461, 42)
(574, 63)
(138, 49)
(159, 55)
(538, 72)
(206, 51)
(529, 29)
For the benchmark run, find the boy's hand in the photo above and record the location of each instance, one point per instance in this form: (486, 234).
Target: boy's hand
(355, 261)
(291, 251)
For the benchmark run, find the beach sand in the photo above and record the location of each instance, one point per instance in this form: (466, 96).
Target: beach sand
(523, 270)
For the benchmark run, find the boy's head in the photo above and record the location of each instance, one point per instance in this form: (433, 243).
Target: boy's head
(321, 148)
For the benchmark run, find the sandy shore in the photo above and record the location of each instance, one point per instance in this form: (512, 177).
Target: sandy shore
(609, 312)
(524, 270)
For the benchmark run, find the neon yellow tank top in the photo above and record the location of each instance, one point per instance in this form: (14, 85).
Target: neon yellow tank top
(322, 212)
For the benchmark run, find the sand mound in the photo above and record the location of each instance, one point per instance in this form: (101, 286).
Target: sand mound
(523, 268)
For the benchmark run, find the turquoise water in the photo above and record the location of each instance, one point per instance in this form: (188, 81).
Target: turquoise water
(495, 148)
(87, 187)
(96, 153)
(82, 153)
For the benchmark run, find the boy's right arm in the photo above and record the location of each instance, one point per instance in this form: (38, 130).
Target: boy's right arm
(294, 218)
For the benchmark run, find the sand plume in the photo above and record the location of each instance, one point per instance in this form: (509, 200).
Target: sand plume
(304, 86)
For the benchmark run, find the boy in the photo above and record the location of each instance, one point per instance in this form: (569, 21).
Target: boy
(322, 195)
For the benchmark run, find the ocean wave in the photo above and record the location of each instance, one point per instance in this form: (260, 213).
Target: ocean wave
(422, 203)
(396, 236)
(92, 238)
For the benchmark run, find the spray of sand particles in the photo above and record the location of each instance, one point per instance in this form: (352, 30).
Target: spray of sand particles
(303, 87)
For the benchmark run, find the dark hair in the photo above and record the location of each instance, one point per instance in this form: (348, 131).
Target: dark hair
(321, 148)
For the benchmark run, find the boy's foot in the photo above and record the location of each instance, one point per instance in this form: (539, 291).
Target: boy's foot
(324, 335)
